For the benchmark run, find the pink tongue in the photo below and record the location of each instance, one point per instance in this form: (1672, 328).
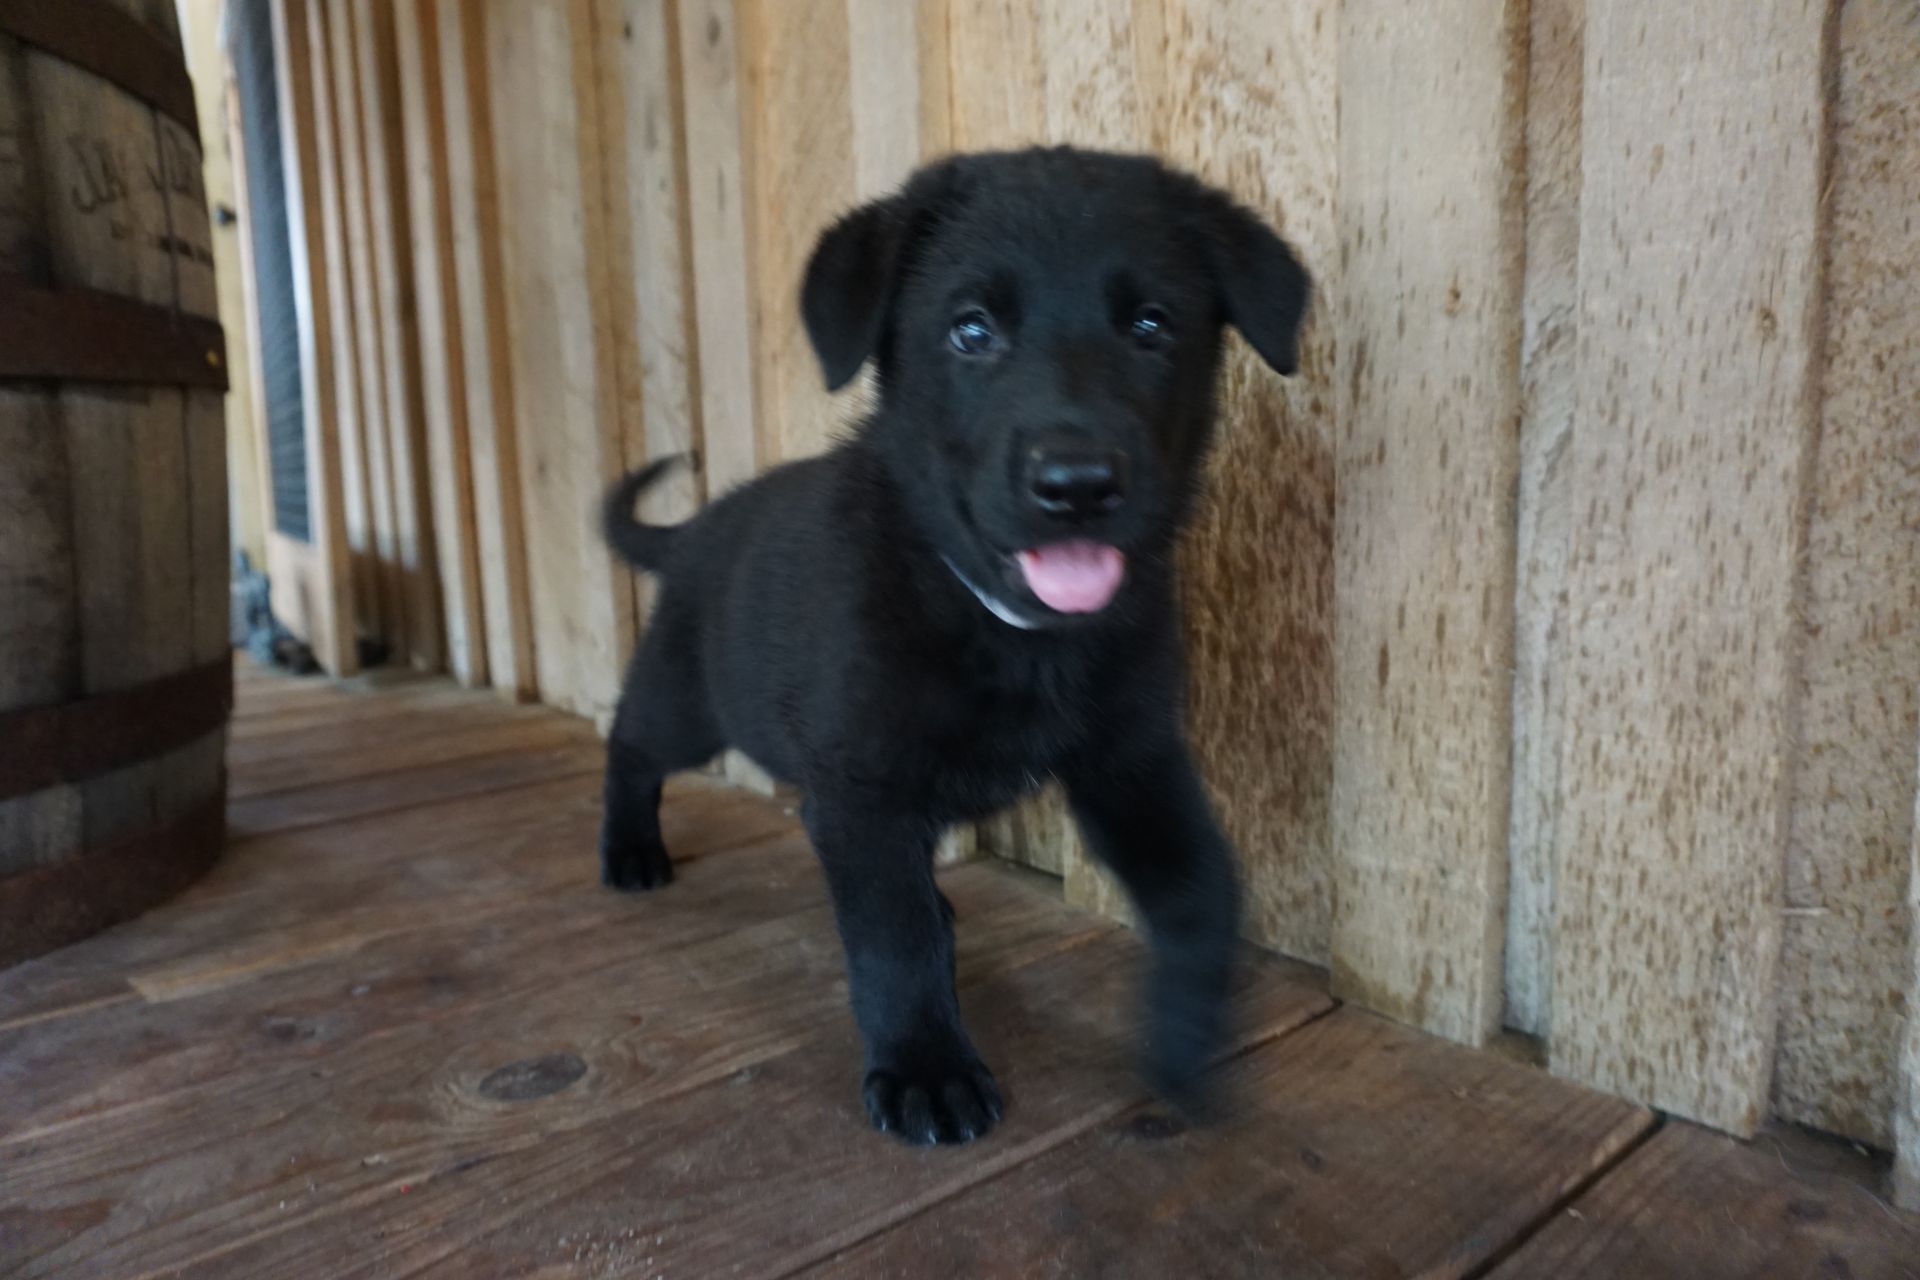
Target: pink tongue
(1073, 577)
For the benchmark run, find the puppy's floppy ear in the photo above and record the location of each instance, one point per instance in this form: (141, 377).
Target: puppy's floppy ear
(854, 274)
(1263, 289)
(849, 287)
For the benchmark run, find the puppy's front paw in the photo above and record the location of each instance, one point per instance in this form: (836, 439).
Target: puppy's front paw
(936, 1100)
(632, 869)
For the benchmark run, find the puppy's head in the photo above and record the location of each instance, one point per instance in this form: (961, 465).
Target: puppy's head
(1045, 326)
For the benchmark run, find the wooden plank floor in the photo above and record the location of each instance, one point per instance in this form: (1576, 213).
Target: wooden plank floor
(402, 1031)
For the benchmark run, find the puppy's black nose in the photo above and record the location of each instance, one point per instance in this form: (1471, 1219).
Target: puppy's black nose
(1076, 479)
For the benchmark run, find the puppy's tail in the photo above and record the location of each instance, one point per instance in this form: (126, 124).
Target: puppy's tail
(644, 546)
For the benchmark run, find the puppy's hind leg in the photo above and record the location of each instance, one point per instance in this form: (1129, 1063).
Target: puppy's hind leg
(655, 732)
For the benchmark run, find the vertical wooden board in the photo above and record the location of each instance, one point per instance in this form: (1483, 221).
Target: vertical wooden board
(885, 52)
(1430, 206)
(345, 429)
(105, 217)
(392, 245)
(217, 100)
(39, 829)
(204, 449)
(143, 797)
(40, 620)
(636, 69)
(1249, 104)
(1026, 75)
(1906, 1115)
(1699, 258)
(717, 213)
(1844, 949)
(799, 152)
(442, 400)
(23, 210)
(933, 30)
(1544, 501)
(486, 367)
(552, 224)
(359, 327)
(325, 599)
(189, 237)
(997, 75)
(127, 465)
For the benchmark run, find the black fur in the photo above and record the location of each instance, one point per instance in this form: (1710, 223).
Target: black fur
(817, 619)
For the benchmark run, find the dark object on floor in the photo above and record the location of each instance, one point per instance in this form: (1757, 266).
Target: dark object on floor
(266, 641)
(975, 591)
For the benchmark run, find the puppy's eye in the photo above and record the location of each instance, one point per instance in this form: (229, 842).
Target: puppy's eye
(1151, 328)
(973, 334)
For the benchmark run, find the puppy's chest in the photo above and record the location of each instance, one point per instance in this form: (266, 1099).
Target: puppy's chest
(992, 747)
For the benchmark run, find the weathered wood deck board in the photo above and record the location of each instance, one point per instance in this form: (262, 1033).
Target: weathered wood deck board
(402, 1031)
(1363, 1149)
(1697, 1205)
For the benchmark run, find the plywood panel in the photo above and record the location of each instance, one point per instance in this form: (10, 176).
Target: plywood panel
(1699, 248)
(1430, 209)
(443, 398)
(486, 371)
(413, 564)
(1545, 508)
(1844, 950)
(552, 223)
(716, 208)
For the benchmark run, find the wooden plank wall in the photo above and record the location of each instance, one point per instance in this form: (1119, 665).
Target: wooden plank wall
(1566, 596)
(1850, 825)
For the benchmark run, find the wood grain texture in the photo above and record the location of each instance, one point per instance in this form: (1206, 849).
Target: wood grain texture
(40, 625)
(1023, 75)
(365, 459)
(318, 600)
(1047, 998)
(1362, 1150)
(1699, 325)
(1544, 505)
(313, 757)
(209, 534)
(486, 369)
(338, 417)
(1845, 945)
(127, 460)
(1697, 1205)
(1249, 104)
(717, 211)
(1906, 1113)
(552, 222)
(414, 557)
(797, 115)
(217, 102)
(1430, 200)
(443, 399)
(650, 242)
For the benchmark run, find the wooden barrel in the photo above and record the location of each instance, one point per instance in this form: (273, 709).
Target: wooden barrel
(115, 675)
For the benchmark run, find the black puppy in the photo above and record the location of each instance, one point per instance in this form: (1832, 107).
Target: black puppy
(975, 591)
